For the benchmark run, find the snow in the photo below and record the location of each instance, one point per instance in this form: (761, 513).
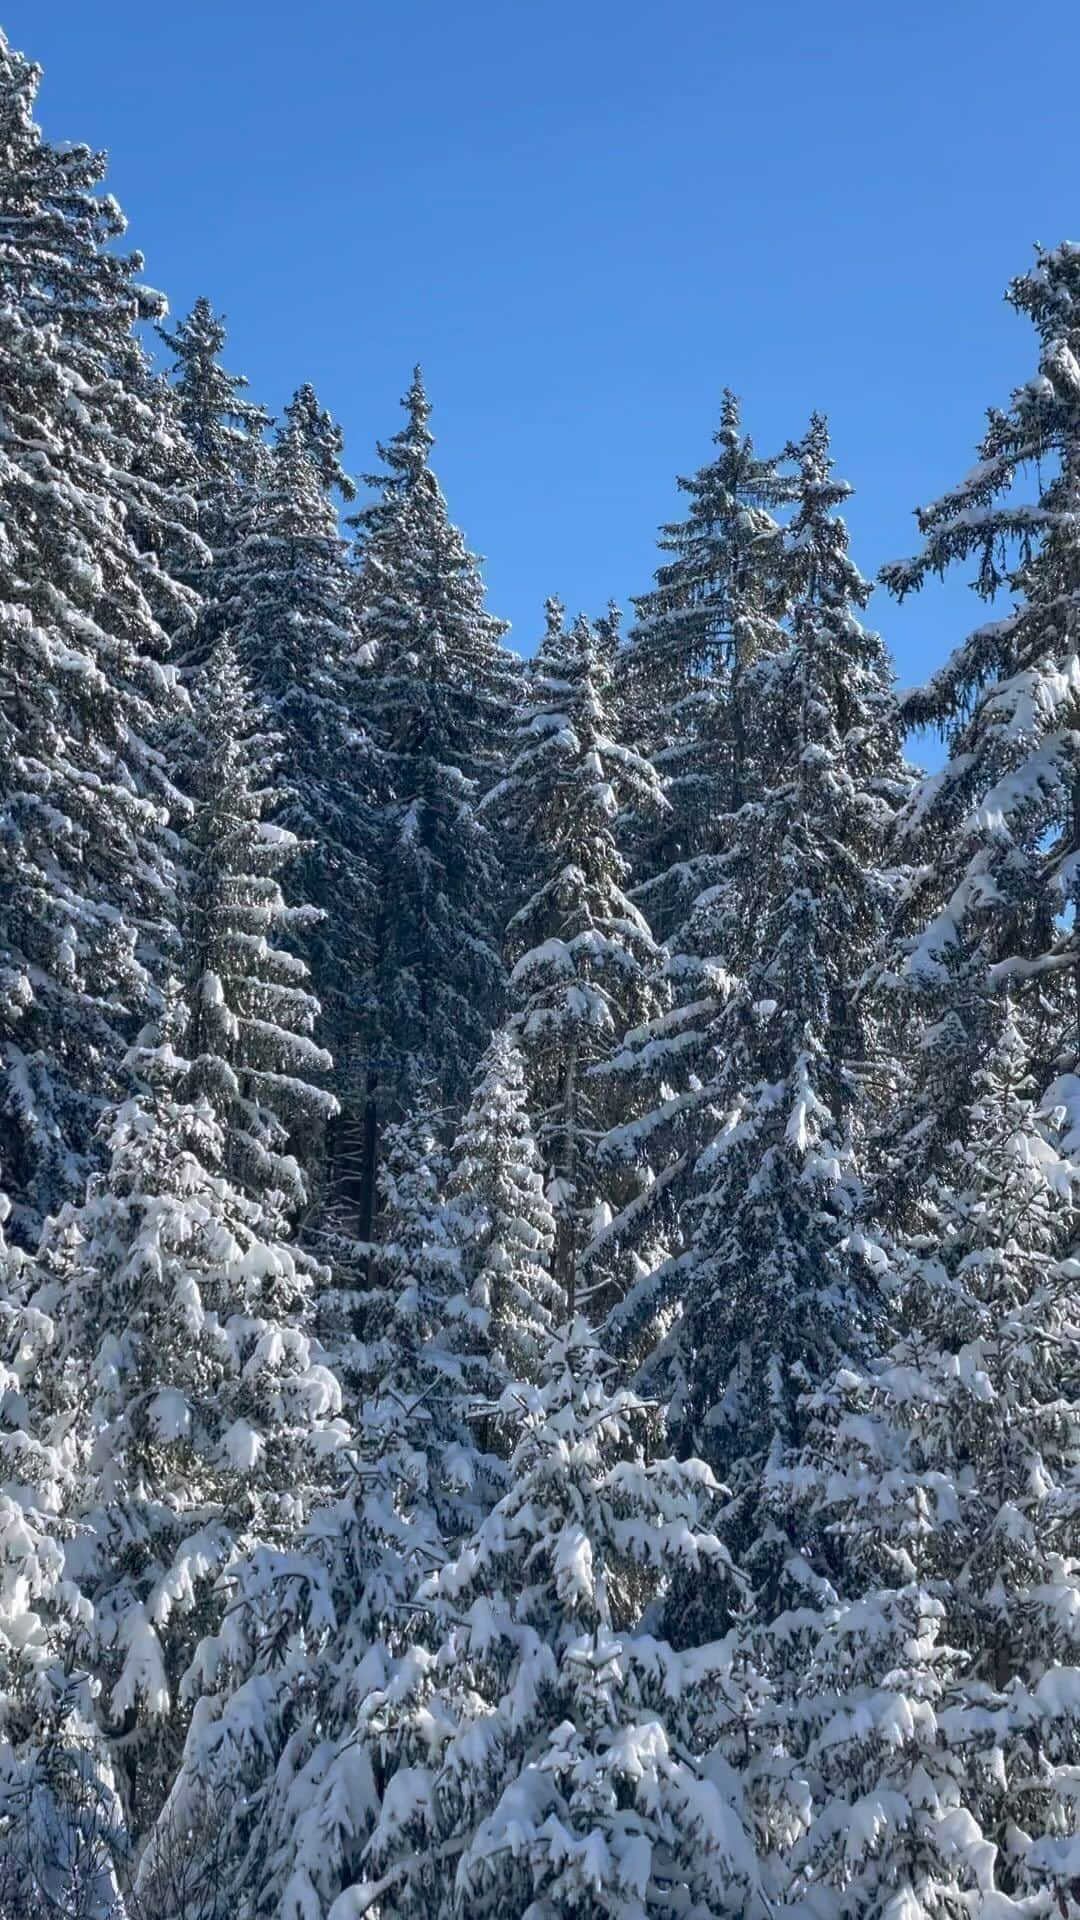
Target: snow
(669, 1504)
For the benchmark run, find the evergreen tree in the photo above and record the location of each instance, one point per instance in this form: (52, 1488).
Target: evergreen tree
(61, 1829)
(777, 1283)
(186, 1372)
(276, 1742)
(994, 835)
(720, 607)
(188, 1368)
(582, 956)
(317, 434)
(508, 1303)
(709, 615)
(938, 1494)
(86, 876)
(285, 591)
(873, 1814)
(252, 1012)
(437, 689)
(412, 1363)
(548, 1759)
(225, 433)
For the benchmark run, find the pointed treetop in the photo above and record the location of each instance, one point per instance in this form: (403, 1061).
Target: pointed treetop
(203, 329)
(729, 433)
(813, 454)
(225, 430)
(816, 542)
(416, 400)
(317, 433)
(608, 627)
(554, 620)
(408, 453)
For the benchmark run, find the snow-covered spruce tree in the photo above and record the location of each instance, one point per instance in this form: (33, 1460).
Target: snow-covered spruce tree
(225, 433)
(938, 1494)
(582, 956)
(278, 1740)
(437, 691)
(776, 1286)
(418, 1358)
(719, 607)
(547, 1755)
(995, 835)
(61, 1830)
(285, 593)
(252, 1012)
(504, 1225)
(318, 435)
(710, 613)
(84, 873)
(224, 430)
(184, 1371)
(866, 1794)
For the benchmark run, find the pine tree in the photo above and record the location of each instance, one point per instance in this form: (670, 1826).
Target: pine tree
(437, 691)
(508, 1303)
(583, 958)
(252, 1011)
(225, 433)
(186, 1372)
(224, 430)
(937, 1484)
(62, 1834)
(776, 1285)
(689, 677)
(409, 1354)
(994, 835)
(873, 1817)
(83, 798)
(547, 1754)
(709, 615)
(317, 434)
(313, 1632)
(285, 592)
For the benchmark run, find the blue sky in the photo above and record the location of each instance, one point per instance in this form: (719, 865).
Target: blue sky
(585, 219)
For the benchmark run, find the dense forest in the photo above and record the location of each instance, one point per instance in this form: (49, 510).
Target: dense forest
(540, 1279)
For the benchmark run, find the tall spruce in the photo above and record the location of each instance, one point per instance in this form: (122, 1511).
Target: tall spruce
(995, 835)
(777, 1282)
(85, 439)
(285, 594)
(706, 618)
(583, 960)
(437, 692)
(951, 1453)
(937, 1491)
(226, 436)
(253, 1014)
(720, 606)
(278, 1745)
(186, 1368)
(208, 1420)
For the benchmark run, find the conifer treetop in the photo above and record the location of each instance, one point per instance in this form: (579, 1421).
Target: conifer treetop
(994, 832)
(220, 424)
(321, 438)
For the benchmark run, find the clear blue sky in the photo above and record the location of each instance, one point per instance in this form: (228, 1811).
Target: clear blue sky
(585, 219)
